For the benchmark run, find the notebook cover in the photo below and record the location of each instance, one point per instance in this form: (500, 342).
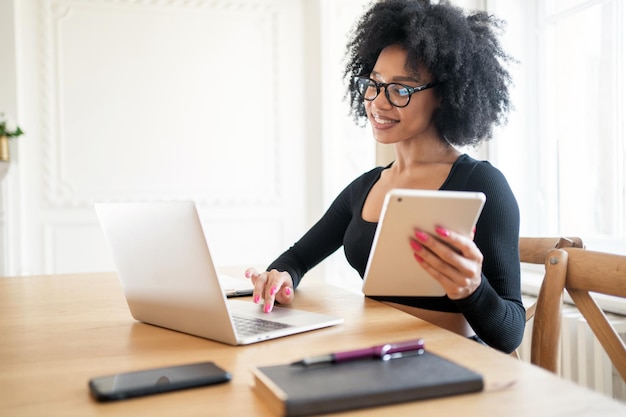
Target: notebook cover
(292, 390)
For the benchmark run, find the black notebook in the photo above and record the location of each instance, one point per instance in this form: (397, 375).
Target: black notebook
(292, 390)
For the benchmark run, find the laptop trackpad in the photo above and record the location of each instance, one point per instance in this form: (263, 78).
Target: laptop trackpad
(287, 315)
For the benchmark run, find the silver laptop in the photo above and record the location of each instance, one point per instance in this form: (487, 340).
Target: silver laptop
(169, 279)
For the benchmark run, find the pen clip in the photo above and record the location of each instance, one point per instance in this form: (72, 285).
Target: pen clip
(415, 344)
(402, 349)
(404, 354)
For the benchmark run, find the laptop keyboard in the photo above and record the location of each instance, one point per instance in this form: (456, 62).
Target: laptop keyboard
(247, 326)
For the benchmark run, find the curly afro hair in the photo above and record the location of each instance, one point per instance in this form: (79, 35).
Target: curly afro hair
(461, 51)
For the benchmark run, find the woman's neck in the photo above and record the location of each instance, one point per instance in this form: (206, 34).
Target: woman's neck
(410, 156)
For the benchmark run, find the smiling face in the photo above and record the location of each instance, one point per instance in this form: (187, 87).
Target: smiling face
(391, 124)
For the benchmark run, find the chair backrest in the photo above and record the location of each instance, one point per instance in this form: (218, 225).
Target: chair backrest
(534, 250)
(585, 271)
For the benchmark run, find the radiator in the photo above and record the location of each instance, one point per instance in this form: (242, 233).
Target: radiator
(582, 358)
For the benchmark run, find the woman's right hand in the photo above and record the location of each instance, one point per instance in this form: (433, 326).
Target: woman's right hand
(270, 286)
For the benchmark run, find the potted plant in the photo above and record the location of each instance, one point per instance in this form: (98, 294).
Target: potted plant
(8, 130)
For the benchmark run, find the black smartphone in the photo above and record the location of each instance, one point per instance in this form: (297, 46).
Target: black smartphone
(154, 381)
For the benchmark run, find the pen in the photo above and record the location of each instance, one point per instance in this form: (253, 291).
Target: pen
(383, 352)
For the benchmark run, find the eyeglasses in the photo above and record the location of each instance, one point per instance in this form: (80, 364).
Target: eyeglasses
(397, 94)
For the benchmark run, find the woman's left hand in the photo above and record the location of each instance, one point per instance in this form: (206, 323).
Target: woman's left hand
(452, 259)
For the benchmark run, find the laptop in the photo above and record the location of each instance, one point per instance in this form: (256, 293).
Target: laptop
(169, 279)
(391, 267)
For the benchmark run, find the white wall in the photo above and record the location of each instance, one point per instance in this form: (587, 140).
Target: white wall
(8, 105)
(156, 100)
(126, 100)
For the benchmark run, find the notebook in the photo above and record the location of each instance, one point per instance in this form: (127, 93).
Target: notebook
(295, 391)
(391, 267)
(169, 279)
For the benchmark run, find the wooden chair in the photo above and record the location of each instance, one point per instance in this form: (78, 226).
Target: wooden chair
(534, 250)
(585, 271)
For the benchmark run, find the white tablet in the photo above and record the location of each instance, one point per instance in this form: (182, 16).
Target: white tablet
(391, 268)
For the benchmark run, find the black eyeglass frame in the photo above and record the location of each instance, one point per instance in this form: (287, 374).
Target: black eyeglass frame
(411, 90)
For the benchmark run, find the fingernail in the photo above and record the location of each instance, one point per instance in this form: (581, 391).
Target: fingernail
(416, 246)
(273, 290)
(287, 291)
(442, 232)
(474, 229)
(421, 236)
(256, 299)
(248, 274)
(418, 258)
(267, 308)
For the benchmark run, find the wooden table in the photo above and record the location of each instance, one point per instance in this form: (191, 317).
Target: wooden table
(58, 331)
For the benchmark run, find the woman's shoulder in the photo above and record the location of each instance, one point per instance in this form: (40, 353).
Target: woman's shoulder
(469, 163)
(367, 179)
(355, 192)
(468, 173)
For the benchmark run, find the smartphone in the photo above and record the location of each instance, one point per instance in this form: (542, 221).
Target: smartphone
(158, 380)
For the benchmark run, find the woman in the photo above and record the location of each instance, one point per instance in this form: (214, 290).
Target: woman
(428, 78)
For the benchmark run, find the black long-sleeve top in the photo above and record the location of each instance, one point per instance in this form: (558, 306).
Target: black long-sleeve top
(494, 311)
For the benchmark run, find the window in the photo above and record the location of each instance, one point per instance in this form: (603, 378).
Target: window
(564, 149)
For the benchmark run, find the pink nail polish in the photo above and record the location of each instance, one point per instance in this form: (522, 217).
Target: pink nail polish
(416, 246)
(267, 308)
(421, 236)
(287, 291)
(273, 290)
(418, 258)
(256, 299)
(248, 274)
(442, 232)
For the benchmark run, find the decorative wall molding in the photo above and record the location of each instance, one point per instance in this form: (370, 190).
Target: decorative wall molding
(156, 100)
(236, 49)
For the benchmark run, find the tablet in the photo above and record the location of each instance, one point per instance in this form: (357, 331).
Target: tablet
(391, 268)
